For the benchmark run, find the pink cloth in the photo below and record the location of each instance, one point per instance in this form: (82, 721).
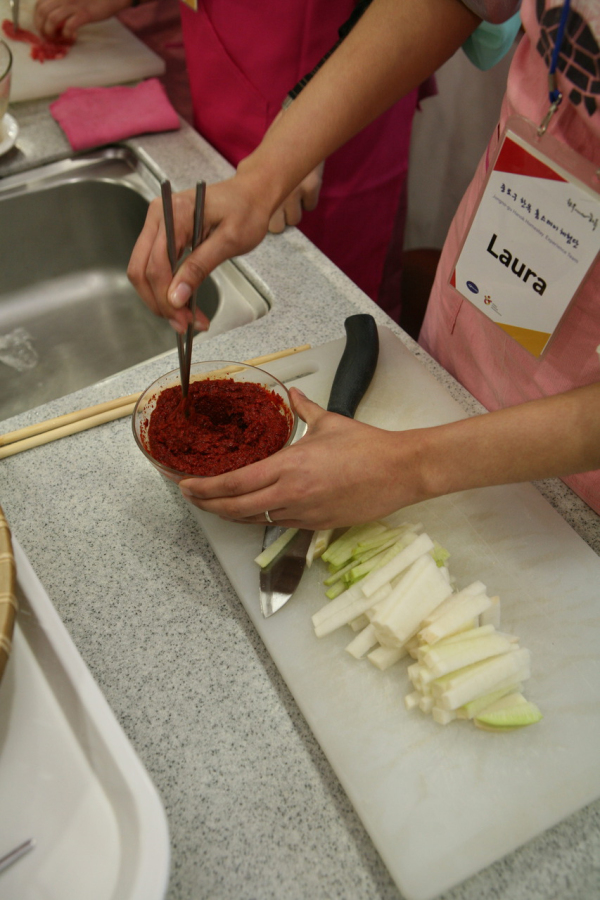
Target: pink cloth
(243, 58)
(490, 364)
(91, 117)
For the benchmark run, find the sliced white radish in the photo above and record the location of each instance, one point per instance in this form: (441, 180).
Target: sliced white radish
(318, 545)
(484, 677)
(358, 605)
(442, 716)
(420, 545)
(464, 653)
(384, 657)
(470, 710)
(359, 623)
(477, 587)
(421, 590)
(426, 703)
(411, 701)
(269, 553)
(462, 609)
(340, 550)
(364, 641)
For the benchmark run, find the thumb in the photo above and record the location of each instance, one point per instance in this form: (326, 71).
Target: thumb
(308, 411)
(194, 269)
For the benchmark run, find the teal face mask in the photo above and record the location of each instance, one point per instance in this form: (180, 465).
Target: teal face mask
(489, 43)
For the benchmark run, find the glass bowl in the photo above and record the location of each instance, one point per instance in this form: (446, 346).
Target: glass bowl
(201, 371)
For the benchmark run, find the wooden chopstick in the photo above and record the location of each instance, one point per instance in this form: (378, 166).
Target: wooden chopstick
(67, 419)
(72, 423)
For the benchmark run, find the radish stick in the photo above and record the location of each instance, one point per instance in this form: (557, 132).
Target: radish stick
(359, 623)
(358, 606)
(417, 595)
(418, 547)
(318, 545)
(341, 549)
(472, 590)
(269, 553)
(465, 653)
(470, 710)
(364, 641)
(484, 678)
(337, 605)
(463, 609)
(384, 657)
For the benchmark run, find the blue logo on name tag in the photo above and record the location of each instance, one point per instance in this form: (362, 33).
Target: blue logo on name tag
(472, 287)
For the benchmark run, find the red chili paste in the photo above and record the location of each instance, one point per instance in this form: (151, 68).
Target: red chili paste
(40, 49)
(230, 424)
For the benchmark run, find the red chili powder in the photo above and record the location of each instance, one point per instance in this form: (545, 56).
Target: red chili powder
(40, 48)
(230, 424)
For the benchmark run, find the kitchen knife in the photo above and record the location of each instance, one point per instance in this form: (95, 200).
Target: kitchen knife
(281, 577)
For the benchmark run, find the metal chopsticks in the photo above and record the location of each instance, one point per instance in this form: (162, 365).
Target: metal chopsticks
(184, 350)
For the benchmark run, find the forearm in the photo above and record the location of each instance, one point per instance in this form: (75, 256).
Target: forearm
(554, 436)
(391, 50)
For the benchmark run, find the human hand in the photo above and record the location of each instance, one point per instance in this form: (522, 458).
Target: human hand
(63, 18)
(303, 198)
(234, 223)
(306, 486)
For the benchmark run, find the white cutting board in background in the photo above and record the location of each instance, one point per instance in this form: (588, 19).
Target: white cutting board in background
(105, 53)
(442, 802)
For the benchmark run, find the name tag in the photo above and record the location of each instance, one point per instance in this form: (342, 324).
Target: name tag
(533, 238)
(193, 4)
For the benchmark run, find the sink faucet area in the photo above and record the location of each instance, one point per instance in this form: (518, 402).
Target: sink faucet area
(69, 317)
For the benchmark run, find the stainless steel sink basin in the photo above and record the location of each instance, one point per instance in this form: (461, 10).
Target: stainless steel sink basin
(68, 315)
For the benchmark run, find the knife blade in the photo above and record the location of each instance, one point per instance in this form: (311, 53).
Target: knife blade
(354, 373)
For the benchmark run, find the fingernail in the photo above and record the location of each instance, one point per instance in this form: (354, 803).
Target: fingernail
(186, 492)
(180, 296)
(302, 394)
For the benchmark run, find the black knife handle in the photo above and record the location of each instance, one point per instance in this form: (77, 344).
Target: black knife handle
(357, 365)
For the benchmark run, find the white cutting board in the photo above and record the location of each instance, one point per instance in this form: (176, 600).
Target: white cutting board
(442, 802)
(105, 53)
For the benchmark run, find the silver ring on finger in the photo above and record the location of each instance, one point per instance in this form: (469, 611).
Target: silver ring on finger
(268, 517)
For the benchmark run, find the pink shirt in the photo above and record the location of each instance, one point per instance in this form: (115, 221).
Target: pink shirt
(242, 59)
(489, 363)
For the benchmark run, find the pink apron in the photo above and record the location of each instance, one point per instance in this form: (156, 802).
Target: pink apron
(490, 364)
(242, 59)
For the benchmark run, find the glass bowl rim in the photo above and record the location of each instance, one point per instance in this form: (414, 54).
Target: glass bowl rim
(175, 373)
(6, 71)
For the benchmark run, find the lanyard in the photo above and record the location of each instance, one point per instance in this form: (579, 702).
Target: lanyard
(553, 92)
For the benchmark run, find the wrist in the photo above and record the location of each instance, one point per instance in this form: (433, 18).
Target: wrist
(426, 463)
(259, 181)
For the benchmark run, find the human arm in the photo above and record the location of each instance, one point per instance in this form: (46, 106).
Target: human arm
(54, 18)
(304, 197)
(343, 472)
(391, 50)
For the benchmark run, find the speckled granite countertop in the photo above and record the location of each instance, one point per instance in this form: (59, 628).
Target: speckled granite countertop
(254, 809)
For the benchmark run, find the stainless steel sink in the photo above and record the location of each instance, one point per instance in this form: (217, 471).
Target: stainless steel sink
(68, 315)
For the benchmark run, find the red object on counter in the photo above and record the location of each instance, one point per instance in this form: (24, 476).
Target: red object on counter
(40, 49)
(230, 424)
